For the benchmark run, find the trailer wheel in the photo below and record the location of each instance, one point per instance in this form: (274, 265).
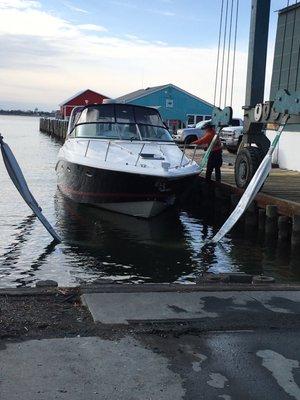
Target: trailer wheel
(246, 164)
(231, 150)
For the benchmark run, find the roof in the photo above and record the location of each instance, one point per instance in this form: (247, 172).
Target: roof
(140, 93)
(145, 92)
(289, 8)
(79, 94)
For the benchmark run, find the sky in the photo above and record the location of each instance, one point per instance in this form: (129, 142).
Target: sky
(51, 49)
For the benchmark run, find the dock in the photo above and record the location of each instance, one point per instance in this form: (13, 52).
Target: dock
(54, 127)
(276, 208)
(282, 189)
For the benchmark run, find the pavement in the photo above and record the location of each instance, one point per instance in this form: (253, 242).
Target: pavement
(121, 308)
(165, 344)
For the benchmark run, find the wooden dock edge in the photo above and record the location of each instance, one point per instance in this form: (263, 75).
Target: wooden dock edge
(284, 207)
(55, 127)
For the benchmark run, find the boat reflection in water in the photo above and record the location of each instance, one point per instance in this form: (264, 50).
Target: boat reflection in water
(169, 248)
(124, 248)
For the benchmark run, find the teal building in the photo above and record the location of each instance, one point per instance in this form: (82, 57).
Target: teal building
(177, 107)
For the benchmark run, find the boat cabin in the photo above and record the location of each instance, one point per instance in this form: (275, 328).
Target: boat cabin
(118, 122)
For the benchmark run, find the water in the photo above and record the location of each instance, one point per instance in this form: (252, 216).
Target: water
(98, 244)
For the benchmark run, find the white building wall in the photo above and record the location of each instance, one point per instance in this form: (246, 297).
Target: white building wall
(287, 154)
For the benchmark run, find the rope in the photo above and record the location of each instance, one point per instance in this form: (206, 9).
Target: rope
(228, 53)
(223, 56)
(225, 50)
(218, 56)
(234, 51)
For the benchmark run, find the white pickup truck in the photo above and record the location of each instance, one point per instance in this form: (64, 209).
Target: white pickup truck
(231, 136)
(188, 135)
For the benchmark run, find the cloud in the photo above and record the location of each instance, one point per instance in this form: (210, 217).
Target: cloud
(160, 43)
(164, 13)
(20, 4)
(123, 4)
(131, 37)
(15, 52)
(45, 58)
(77, 9)
(92, 27)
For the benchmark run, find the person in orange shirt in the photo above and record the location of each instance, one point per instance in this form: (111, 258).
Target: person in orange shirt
(215, 160)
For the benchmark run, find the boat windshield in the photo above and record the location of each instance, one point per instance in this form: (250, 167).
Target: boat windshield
(122, 132)
(118, 121)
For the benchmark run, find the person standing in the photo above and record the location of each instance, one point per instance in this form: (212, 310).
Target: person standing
(215, 159)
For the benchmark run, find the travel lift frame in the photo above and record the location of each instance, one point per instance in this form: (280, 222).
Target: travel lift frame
(254, 160)
(257, 114)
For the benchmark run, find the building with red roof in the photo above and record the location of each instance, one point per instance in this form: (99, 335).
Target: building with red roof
(82, 98)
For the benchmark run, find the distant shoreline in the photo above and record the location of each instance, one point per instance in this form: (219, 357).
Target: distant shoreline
(27, 113)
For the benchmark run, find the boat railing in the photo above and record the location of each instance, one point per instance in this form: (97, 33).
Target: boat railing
(191, 160)
(107, 150)
(111, 143)
(139, 155)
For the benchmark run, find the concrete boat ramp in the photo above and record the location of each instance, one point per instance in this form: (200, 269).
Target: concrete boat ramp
(213, 341)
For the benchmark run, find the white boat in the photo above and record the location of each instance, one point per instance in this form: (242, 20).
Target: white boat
(122, 158)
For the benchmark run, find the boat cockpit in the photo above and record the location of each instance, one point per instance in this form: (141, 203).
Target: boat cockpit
(118, 122)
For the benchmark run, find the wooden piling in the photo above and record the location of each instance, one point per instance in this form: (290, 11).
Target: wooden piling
(55, 127)
(283, 228)
(234, 199)
(271, 227)
(251, 216)
(296, 231)
(261, 219)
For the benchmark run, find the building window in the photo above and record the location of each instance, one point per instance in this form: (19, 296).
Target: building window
(193, 119)
(190, 120)
(169, 103)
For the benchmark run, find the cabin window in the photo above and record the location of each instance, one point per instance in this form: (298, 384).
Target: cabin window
(102, 130)
(108, 131)
(127, 132)
(147, 117)
(94, 114)
(155, 133)
(124, 114)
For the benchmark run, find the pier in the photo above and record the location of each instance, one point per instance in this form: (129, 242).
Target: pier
(55, 127)
(281, 189)
(276, 209)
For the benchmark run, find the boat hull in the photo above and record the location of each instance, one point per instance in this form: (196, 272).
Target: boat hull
(133, 194)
